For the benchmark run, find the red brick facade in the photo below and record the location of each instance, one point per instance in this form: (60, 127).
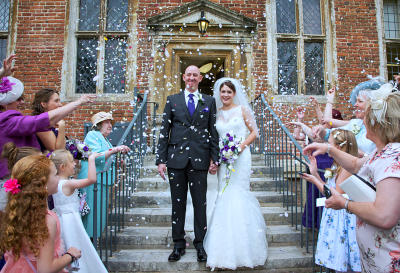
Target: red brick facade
(40, 42)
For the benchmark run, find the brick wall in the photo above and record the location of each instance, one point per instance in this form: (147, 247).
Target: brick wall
(357, 45)
(40, 45)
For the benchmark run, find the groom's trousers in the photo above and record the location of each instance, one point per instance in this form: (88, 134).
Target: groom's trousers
(179, 180)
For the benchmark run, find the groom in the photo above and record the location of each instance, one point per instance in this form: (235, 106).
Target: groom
(188, 146)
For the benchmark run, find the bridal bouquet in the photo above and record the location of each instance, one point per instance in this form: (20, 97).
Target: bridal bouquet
(229, 146)
(78, 149)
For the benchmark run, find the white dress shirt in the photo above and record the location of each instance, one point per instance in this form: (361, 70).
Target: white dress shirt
(195, 97)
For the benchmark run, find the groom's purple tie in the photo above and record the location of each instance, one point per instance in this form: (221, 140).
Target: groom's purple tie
(191, 104)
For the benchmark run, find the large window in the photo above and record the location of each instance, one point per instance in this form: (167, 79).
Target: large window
(100, 46)
(4, 28)
(300, 39)
(392, 36)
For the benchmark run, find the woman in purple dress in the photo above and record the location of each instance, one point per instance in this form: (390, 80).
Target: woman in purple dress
(20, 129)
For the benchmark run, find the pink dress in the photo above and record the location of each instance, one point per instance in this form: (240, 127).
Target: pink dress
(27, 261)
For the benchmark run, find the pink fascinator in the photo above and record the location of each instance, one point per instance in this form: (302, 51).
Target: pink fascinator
(12, 186)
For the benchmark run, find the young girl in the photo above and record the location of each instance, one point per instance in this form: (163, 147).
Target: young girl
(12, 154)
(30, 232)
(337, 247)
(66, 203)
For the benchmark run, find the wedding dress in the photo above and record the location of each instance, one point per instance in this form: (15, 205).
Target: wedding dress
(236, 232)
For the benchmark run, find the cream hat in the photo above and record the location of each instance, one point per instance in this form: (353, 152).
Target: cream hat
(11, 89)
(101, 116)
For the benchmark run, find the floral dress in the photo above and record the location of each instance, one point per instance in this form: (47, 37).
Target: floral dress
(337, 245)
(380, 248)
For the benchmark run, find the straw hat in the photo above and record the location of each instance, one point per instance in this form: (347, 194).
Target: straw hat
(11, 89)
(101, 116)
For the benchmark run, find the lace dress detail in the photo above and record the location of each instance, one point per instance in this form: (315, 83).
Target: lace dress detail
(236, 233)
(72, 231)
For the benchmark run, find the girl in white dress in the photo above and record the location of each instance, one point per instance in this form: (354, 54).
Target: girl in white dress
(236, 233)
(66, 203)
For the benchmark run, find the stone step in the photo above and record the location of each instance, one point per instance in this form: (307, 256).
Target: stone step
(289, 258)
(158, 184)
(162, 216)
(160, 237)
(161, 199)
(259, 169)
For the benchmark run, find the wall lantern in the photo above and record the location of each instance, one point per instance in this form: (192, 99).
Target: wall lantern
(202, 23)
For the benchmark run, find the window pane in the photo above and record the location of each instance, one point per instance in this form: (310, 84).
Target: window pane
(117, 15)
(287, 68)
(3, 50)
(314, 68)
(312, 16)
(286, 16)
(4, 14)
(89, 13)
(391, 19)
(393, 60)
(86, 67)
(115, 66)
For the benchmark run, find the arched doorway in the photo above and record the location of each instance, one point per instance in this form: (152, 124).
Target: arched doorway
(212, 68)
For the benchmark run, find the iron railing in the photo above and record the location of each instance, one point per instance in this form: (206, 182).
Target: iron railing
(284, 159)
(117, 182)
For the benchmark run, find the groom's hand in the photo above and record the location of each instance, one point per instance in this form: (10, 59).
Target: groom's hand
(213, 168)
(162, 168)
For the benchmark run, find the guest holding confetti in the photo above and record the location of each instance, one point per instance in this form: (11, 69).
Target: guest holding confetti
(67, 204)
(21, 129)
(97, 141)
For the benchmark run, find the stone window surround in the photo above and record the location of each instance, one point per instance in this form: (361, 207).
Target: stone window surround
(68, 75)
(11, 34)
(330, 67)
(383, 72)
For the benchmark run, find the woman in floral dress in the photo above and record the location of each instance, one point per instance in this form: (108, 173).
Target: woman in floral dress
(378, 222)
(337, 247)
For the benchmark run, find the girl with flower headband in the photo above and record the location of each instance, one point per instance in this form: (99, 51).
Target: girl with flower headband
(67, 205)
(337, 247)
(31, 233)
(12, 154)
(378, 222)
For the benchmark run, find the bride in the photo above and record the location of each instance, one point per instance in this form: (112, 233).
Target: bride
(236, 231)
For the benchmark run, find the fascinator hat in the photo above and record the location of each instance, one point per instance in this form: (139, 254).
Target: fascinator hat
(11, 90)
(101, 116)
(378, 102)
(372, 84)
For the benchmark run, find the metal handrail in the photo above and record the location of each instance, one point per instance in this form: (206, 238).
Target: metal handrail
(287, 132)
(283, 160)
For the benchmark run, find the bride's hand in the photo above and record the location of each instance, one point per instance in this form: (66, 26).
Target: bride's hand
(242, 147)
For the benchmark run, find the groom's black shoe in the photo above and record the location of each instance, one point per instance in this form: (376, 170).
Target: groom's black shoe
(201, 254)
(176, 254)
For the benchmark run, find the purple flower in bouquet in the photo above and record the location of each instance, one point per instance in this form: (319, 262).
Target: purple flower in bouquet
(78, 149)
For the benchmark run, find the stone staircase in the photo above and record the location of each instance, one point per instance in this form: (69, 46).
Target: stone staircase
(145, 243)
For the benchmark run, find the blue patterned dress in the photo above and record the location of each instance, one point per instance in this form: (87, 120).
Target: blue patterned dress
(337, 247)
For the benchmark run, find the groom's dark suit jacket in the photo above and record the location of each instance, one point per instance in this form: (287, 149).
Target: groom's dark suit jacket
(183, 138)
